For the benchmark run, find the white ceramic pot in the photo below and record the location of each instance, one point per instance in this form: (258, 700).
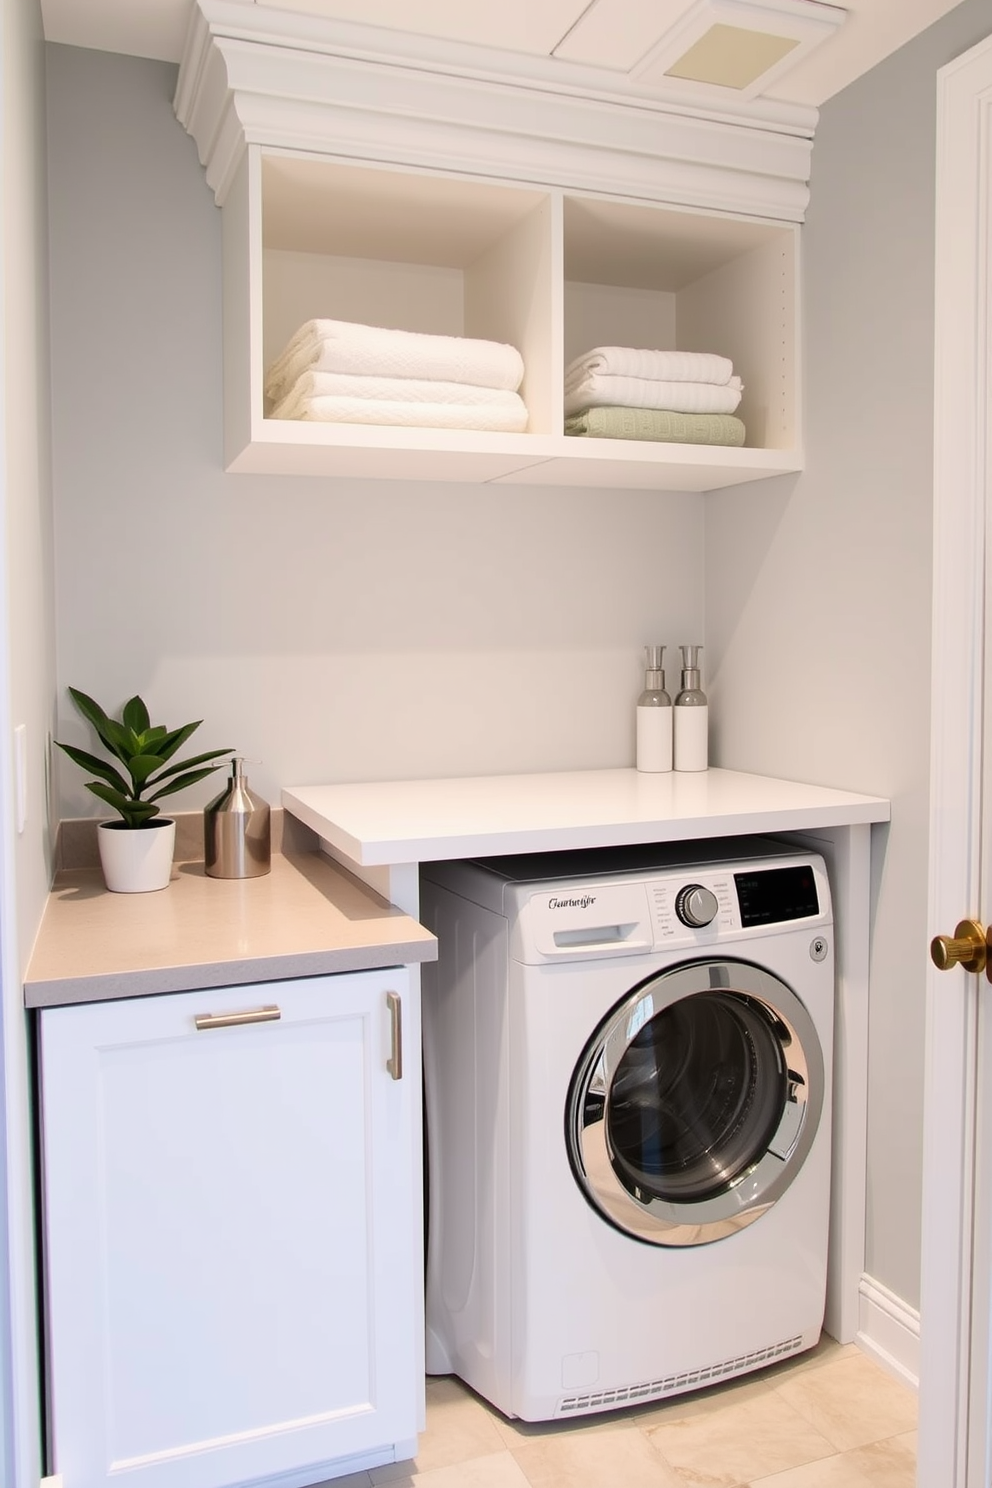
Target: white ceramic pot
(136, 860)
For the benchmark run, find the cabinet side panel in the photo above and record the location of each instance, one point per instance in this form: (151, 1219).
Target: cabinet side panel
(242, 323)
(746, 310)
(468, 1277)
(509, 296)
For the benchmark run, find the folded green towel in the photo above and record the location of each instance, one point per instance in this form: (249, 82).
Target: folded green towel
(658, 424)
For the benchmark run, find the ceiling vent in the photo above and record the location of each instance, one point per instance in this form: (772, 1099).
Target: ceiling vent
(736, 44)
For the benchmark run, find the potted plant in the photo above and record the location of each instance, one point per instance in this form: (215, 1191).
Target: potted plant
(136, 852)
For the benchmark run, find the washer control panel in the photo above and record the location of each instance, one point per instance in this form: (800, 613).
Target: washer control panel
(693, 911)
(630, 913)
(742, 897)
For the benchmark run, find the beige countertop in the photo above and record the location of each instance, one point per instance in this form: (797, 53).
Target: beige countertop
(305, 918)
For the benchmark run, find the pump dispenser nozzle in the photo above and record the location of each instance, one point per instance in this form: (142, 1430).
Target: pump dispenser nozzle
(690, 668)
(654, 676)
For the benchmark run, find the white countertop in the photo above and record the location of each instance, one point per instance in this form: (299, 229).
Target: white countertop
(411, 821)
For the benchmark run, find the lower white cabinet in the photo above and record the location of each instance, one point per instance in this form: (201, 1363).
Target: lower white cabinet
(233, 1243)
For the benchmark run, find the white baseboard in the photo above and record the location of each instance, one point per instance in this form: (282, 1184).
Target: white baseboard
(889, 1331)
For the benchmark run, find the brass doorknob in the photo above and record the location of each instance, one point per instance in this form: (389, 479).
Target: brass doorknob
(967, 947)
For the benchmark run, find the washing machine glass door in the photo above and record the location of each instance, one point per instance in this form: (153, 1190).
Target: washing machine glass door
(696, 1102)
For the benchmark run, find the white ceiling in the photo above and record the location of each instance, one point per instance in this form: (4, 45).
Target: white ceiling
(611, 34)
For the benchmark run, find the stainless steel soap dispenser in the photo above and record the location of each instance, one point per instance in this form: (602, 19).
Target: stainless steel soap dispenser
(237, 837)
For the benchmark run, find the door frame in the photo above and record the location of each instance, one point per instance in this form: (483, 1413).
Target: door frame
(962, 473)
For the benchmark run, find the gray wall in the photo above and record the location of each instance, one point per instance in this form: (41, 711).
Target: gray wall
(349, 630)
(818, 587)
(334, 630)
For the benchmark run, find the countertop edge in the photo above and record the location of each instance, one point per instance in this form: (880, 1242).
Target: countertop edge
(204, 975)
(504, 844)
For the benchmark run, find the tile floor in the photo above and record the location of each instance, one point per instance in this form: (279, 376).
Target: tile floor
(828, 1419)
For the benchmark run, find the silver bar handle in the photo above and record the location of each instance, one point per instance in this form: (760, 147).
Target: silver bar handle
(394, 1063)
(268, 1014)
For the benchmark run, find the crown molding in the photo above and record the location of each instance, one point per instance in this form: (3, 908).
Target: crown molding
(252, 75)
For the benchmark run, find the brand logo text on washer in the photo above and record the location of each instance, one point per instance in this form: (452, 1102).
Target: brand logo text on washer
(582, 902)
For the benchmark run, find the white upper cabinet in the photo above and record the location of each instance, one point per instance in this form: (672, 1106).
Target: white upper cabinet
(390, 192)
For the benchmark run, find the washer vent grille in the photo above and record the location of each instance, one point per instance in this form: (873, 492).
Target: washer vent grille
(674, 1384)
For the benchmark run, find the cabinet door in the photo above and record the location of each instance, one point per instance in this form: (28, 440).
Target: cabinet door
(231, 1233)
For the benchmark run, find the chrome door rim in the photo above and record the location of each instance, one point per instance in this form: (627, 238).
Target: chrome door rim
(750, 1194)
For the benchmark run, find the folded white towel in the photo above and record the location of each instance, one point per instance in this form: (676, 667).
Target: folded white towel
(347, 346)
(662, 366)
(395, 390)
(596, 391)
(337, 410)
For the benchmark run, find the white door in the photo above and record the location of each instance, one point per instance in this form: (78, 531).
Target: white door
(956, 1308)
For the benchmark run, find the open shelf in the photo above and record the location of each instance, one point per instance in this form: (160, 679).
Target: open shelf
(552, 272)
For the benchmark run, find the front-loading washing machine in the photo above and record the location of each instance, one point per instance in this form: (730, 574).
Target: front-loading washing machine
(627, 1078)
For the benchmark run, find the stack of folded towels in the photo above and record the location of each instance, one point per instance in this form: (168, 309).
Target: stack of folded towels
(337, 371)
(684, 397)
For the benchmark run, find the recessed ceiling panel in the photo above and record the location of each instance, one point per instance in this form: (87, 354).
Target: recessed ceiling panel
(741, 44)
(617, 33)
(512, 25)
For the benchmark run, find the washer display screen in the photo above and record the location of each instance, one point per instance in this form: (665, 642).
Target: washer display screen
(770, 895)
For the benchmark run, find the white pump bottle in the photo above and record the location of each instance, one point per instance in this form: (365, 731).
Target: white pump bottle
(691, 716)
(654, 717)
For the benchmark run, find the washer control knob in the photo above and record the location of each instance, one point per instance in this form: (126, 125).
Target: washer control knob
(696, 906)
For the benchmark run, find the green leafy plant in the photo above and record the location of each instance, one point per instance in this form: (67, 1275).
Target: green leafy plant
(144, 751)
